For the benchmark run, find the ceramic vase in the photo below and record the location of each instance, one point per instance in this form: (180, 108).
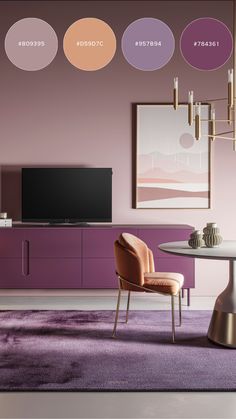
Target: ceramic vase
(196, 241)
(211, 236)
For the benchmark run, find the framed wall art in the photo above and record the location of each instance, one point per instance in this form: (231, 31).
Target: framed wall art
(172, 168)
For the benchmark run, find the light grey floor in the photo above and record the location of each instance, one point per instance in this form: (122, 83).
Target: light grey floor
(111, 405)
(100, 302)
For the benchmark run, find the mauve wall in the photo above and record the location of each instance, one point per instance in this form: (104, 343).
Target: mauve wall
(61, 115)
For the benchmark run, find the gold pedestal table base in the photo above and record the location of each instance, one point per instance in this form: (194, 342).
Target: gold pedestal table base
(222, 328)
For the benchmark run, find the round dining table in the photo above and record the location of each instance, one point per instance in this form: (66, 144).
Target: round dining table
(222, 328)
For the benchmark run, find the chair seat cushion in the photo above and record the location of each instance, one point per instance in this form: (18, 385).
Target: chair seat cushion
(164, 282)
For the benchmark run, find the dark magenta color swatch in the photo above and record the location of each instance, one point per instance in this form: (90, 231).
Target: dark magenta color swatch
(206, 44)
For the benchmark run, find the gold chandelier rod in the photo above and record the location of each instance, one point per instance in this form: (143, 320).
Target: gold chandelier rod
(216, 120)
(226, 132)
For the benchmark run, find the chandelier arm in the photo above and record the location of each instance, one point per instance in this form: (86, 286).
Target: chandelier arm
(216, 120)
(226, 132)
(221, 137)
(218, 99)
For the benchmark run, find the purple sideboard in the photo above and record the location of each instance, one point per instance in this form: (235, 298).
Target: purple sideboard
(72, 257)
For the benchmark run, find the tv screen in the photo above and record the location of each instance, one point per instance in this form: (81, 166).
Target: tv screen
(66, 194)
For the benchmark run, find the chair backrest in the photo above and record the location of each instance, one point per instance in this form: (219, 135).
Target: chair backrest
(133, 258)
(133, 243)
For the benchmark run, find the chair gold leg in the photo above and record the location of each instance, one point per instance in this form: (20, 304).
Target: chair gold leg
(127, 310)
(117, 314)
(180, 310)
(173, 317)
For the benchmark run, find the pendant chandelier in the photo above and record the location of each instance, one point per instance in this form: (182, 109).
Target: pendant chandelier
(194, 112)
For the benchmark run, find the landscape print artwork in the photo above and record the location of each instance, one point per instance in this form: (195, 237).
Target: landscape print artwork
(172, 167)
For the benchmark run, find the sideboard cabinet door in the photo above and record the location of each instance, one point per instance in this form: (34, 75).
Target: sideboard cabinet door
(74, 257)
(11, 242)
(99, 273)
(154, 237)
(98, 256)
(40, 273)
(40, 258)
(54, 242)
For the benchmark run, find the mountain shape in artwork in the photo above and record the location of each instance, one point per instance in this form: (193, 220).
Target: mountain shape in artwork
(157, 175)
(174, 162)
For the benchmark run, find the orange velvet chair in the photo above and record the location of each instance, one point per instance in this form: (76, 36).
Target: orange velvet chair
(136, 272)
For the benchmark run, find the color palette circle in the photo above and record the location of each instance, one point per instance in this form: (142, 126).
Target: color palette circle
(206, 43)
(148, 44)
(31, 44)
(89, 44)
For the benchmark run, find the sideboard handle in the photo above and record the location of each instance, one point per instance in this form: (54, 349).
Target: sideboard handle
(25, 257)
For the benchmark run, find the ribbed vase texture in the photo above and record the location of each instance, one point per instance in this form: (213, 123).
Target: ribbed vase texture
(211, 236)
(196, 240)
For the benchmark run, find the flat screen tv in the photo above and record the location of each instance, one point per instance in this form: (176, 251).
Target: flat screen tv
(67, 195)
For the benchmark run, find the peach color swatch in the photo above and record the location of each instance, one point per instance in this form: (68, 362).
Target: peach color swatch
(89, 44)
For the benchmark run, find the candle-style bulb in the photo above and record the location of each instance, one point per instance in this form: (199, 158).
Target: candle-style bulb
(213, 124)
(190, 107)
(198, 120)
(230, 75)
(198, 108)
(176, 93)
(190, 96)
(230, 89)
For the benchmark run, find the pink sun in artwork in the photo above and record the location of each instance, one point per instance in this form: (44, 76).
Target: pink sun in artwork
(186, 140)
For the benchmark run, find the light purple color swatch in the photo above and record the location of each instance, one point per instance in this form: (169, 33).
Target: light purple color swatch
(31, 44)
(206, 43)
(148, 44)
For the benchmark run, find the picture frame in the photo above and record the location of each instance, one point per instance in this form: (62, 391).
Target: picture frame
(172, 170)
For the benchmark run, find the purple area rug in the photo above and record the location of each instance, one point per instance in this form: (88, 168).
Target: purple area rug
(74, 351)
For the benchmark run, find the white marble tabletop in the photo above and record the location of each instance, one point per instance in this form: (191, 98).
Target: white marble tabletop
(226, 251)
